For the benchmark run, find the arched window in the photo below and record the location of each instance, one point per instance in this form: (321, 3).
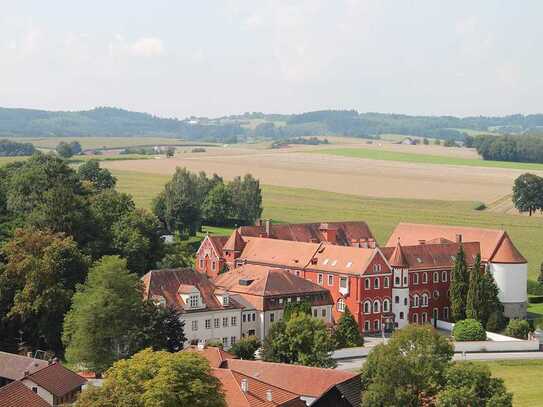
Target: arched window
(424, 317)
(424, 300)
(376, 325)
(424, 278)
(376, 306)
(436, 277)
(405, 301)
(401, 315)
(444, 276)
(367, 307)
(376, 283)
(415, 318)
(341, 305)
(415, 300)
(367, 283)
(386, 305)
(436, 294)
(415, 278)
(386, 282)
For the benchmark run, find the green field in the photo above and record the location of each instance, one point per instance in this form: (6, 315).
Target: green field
(382, 214)
(386, 155)
(524, 378)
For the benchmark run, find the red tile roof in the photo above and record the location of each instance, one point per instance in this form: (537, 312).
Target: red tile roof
(397, 259)
(57, 379)
(507, 252)
(433, 256)
(342, 259)
(489, 239)
(215, 356)
(16, 394)
(257, 392)
(218, 242)
(302, 380)
(279, 252)
(166, 283)
(235, 242)
(13, 366)
(346, 232)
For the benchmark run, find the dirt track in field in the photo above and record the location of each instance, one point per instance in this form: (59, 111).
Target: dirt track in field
(294, 168)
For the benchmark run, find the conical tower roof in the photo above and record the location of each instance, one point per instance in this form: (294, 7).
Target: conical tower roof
(235, 242)
(507, 252)
(398, 259)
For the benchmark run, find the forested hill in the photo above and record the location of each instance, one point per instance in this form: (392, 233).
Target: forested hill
(106, 121)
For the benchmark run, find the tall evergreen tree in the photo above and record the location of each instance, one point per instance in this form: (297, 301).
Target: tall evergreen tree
(475, 303)
(492, 316)
(347, 334)
(458, 289)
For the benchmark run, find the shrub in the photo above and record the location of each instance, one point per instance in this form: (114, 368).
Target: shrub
(518, 329)
(535, 299)
(245, 348)
(469, 330)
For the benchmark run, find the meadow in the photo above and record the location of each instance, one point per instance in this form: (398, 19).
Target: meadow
(409, 157)
(524, 378)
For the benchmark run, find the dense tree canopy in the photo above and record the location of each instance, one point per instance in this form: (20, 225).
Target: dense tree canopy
(100, 178)
(10, 148)
(157, 379)
(302, 340)
(528, 193)
(347, 333)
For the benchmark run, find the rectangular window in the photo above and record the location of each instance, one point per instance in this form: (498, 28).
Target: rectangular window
(233, 321)
(254, 316)
(386, 282)
(323, 312)
(225, 322)
(444, 276)
(315, 313)
(330, 279)
(343, 282)
(319, 279)
(194, 325)
(232, 340)
(193, 301)
(397, 299)
(366, 326)
(225, 342)
(397, 281)
(208, 324)
(216, 322)
(244, 318)
(213, 265)
(425, 278)
(201, 264)
(416, 278)
(272, 317)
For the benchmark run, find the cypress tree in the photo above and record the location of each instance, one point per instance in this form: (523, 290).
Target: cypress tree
(347, 334)
(475, 303)
(458, 289)
(492, 317)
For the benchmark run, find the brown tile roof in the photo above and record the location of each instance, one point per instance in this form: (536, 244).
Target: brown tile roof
(507, 252)
(235, 242)
(267, 282)
(490, 239)
(166, 283)
(397, 259)
(218, 242)
(16, 394)
(302, 380)
(279, 252)
(57, 379)
(13, 366)
(215, 356)
(434, 256)
(256, 395)
(342, 259)
(346, 232)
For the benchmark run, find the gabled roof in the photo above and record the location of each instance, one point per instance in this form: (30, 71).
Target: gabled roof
(489, 239)
(56, 379)
(235, 242)
(215, 356)
(346, 232)
(302, 380)
(167, 282)
(279, 252)
(397, 258)
(256, 395)
(218, 242)
(433, 256)
(16, 394)
(343, 259)
(13, 366)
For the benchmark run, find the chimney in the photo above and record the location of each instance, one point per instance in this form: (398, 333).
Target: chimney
(258, 222)
(355, 243)
(269, 395)
(268, 227)
(458, 238)
(28, 354)
(328, 232)
(422, 241)
(363, 243)
(244, 385)
(371, 243)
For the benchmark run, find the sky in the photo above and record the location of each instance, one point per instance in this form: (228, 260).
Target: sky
(212, 58)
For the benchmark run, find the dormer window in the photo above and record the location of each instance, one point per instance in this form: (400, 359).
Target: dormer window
(225, 300)
(194, 301)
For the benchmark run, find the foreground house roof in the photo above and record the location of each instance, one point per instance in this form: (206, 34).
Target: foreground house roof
(170, 283)
(431, 256)
(286, 253)
(13, 366)
(496, 244)
(302, 380)
(16, 394)
(56, 379)
(215, 356)
(345, 232)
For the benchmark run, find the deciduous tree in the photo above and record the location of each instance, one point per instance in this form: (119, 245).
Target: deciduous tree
(528, 193)
(245, 348)
(100, 178)
(347, 333)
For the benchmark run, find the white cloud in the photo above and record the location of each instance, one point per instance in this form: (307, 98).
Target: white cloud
(147, 47)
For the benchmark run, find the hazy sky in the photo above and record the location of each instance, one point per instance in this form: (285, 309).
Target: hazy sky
(179, 58)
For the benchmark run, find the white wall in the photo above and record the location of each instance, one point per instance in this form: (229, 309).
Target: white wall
(44, 394)
(213, 333)
(401, 291)
(512, 280)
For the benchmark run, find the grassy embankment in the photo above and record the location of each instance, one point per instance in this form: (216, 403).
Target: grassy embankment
(386, 155)
(382, 214)
(524, 378)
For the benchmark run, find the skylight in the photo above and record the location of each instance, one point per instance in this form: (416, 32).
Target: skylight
(349, 264)
(325, 261)
(419, 260)
(334, 262)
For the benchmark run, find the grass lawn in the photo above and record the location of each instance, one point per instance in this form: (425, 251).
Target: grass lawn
(524, 378)
(382, 214)
(384, 155)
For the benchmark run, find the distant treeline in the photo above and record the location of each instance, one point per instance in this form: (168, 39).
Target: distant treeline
(520, 148)
(9, 148)
(311, 141)
(105, 121)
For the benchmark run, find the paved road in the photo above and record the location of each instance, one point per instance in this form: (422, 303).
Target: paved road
(356, 363)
